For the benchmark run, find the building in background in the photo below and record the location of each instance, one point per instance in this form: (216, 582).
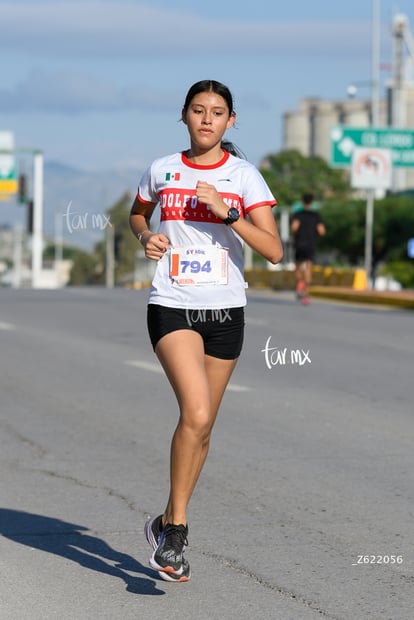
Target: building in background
(307, 129)
(15, 262)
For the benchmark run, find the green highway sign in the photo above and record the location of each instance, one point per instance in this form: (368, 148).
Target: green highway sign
(344, 140)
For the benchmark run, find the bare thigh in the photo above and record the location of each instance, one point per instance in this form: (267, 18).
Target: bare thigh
(198, 380)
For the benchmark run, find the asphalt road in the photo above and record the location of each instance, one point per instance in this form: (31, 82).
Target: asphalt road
(305, 507)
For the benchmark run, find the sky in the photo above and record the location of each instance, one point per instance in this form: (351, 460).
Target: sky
(99, 84)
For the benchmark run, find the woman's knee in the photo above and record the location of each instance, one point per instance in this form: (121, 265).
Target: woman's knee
(197, 423)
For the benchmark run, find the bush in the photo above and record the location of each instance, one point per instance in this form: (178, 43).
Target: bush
(400, 270)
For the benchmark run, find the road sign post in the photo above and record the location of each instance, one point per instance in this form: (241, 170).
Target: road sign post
(371, 170)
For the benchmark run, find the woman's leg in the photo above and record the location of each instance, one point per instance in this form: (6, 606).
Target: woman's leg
(219, 372)
(199, 382)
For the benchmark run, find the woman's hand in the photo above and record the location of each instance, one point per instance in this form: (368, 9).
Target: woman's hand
(155, 244)
(208, 194)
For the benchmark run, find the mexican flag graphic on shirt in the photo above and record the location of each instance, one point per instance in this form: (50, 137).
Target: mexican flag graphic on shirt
(172, 176)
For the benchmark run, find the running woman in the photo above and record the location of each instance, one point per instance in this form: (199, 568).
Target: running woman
(196, 301)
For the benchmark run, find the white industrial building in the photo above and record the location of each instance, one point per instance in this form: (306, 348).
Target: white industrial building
(307, 129)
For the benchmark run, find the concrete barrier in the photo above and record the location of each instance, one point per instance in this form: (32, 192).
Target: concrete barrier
(284, 279)
(332, 283)
(395, 299)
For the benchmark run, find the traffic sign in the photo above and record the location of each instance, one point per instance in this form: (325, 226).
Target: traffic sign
(8, 178)
(345, 139)
(371, 168)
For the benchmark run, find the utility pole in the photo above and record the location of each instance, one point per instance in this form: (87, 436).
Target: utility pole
(58, 247)
(400, 34)
(375, 64)
(375, 61)
(110, 258)
(17, 256)
(37, 238)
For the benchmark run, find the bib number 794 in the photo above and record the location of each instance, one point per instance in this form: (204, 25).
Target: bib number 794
(198, 265)
(195, 266)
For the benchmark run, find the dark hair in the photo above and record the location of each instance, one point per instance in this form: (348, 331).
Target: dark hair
(212, 86)
(307, 198)
(209, 86)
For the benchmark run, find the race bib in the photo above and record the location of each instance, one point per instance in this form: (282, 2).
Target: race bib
(199, 265)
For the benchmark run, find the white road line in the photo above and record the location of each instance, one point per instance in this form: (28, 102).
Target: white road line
(233, 387)
(7, 326)
(151, 367)
(145, 366)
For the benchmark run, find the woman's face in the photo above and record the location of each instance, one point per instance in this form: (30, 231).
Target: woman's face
(207, 119)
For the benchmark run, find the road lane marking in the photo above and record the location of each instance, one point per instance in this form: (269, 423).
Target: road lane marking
(151, 367)
(145, 366)
(233, 387)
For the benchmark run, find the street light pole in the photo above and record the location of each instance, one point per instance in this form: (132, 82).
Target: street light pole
(37, 238)
(110, 258)
(375, 64)
(369, 218)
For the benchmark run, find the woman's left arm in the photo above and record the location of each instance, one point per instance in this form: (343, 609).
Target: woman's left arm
(261, 234)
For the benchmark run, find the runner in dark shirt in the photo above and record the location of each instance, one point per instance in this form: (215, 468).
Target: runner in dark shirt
(306, 227)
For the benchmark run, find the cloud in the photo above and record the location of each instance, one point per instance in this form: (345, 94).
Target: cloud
(82, 34)
(70, 92)
(109, 29)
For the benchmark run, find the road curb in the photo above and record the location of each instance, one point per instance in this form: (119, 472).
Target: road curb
(398, 299)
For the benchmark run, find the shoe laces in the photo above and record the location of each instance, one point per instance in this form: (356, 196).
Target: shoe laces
(175, 536)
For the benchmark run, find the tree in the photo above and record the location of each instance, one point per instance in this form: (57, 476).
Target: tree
(125, 244)
(90, 268)
(86, 270)
(345, 230)
(68, 252)
(393, 227)
(289, 175)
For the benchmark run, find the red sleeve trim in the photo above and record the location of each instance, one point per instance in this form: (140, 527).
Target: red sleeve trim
(145, 202)
(267, 203)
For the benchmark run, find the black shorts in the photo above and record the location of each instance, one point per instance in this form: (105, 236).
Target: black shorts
(304, 252)
(222, 330)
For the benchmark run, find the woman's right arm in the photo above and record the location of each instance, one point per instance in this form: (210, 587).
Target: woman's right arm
(155, 244)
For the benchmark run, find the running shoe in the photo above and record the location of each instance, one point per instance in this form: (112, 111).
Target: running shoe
(168, 559)
(300, 289)
(305, 301)
(153, 529)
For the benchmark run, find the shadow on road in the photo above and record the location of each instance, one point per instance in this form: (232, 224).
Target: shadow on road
(72, 542)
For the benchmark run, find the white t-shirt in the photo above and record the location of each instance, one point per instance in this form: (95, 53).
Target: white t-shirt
(191, 225)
